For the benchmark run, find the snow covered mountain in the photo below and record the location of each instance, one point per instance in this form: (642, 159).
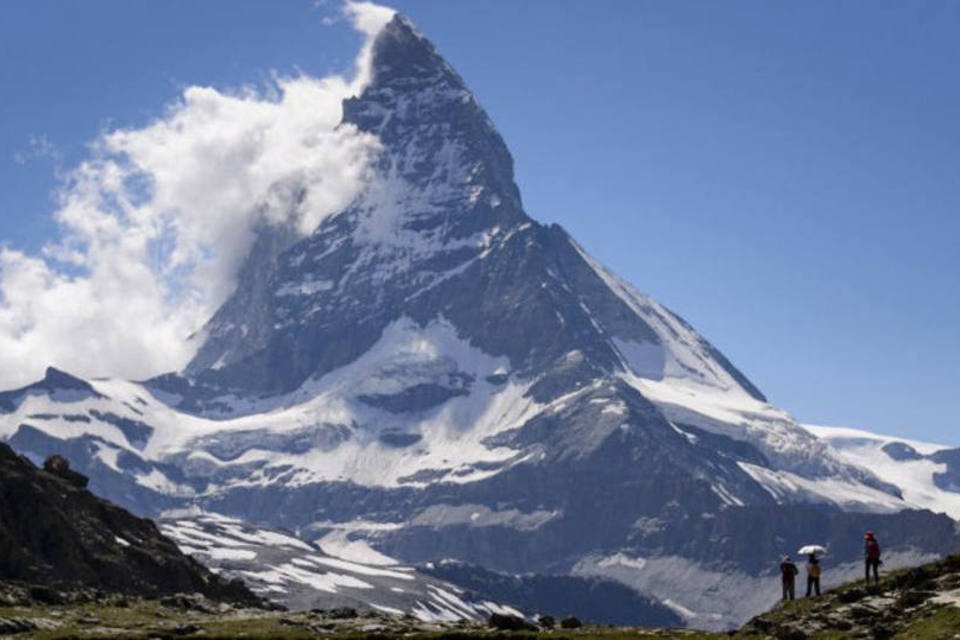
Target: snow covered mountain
(435, 374)
(299, 575)
(927, 475)
(333, 571)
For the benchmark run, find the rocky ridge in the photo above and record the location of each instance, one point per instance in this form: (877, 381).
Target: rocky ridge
(55, 536)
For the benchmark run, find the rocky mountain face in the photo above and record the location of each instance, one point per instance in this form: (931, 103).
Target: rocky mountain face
(591, 598)
(300, 575)
(436, 374)
(56, 534)
(337, 573)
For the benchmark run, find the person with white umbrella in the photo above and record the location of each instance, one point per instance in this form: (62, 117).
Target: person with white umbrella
(813, 567)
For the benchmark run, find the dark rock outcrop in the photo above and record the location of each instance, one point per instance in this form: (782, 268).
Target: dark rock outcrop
(55, 533)
(571, 623)
(507, 622)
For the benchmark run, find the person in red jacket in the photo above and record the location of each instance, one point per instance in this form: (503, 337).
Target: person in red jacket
(871, 554)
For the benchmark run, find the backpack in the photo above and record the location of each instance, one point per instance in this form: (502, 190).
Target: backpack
(814, 569)
(873, 550)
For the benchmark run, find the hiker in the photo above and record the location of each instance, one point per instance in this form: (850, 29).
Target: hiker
(813, 574)
(871, 553)
(788, 572)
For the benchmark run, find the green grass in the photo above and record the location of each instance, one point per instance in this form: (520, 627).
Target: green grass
(145, 619)
(148, 619)
(943, 623)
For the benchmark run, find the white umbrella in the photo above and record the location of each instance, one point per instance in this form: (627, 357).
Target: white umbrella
(814, 549)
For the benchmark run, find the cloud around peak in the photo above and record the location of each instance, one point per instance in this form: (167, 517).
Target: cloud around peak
(367, 17)
(156, 221)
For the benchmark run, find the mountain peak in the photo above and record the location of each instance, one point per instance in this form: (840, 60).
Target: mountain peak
(441, 151)
(401, 52)
(56, 379)
(441, 205)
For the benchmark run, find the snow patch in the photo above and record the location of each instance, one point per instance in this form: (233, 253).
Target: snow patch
(914, 478)
(788, 487)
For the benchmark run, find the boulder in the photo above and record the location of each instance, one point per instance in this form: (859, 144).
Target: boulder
(547, 622)
(60, 467)
(505, 622)
(571, 622)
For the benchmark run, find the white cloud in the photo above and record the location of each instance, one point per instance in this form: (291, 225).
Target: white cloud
(367, 18)
(156, 222)
(39, 147)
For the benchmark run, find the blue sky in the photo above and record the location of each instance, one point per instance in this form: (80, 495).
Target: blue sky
(782, 174)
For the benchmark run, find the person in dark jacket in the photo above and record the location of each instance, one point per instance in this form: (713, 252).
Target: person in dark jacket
(813, 575)
(788, 574)
(871, 556)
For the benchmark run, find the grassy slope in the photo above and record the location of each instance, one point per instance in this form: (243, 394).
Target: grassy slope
(905, 606)
(147, 619)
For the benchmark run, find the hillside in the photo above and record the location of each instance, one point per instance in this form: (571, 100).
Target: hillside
(58, 536)
(918, 603)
